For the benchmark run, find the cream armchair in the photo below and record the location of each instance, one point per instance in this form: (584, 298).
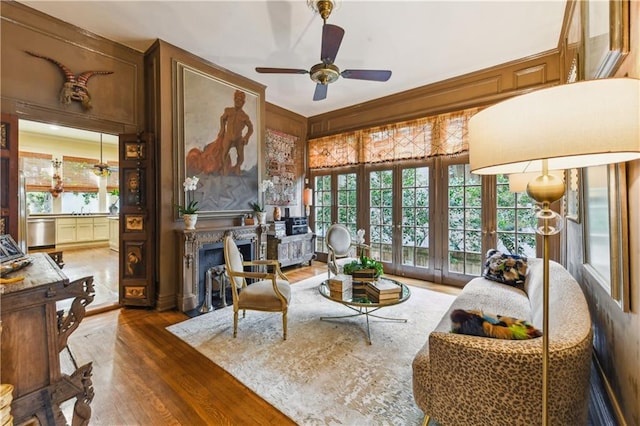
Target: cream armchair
(271, 292)
(341, 248)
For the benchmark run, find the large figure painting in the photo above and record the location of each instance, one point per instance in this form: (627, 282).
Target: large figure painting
(218, 134)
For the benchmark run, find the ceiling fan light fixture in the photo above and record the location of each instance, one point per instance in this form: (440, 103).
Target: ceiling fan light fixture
(101, 169)
(324, 74)
(323, 7)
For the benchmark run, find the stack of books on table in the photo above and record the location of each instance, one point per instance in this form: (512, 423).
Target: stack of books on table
(383, 290)
(361, 278)
(340, 287)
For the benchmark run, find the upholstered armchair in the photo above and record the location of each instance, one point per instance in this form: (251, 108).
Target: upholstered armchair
(270, 292)
(341, 248)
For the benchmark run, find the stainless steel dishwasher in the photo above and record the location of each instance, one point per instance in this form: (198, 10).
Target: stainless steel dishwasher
(41, 232)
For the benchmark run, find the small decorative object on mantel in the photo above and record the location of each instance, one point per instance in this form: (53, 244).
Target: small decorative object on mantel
(261, 215)
(74, 87)
(190, 221)
(190, 209)
(277, 213)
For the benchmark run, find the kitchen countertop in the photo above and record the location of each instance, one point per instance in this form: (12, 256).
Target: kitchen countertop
(67, 215)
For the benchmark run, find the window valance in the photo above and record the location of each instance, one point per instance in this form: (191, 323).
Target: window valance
(444, 134)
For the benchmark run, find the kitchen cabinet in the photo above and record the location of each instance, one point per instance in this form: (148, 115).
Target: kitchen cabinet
(70, 230)
(65, 230)
(114, 233)
(84, 229)
(100, 228)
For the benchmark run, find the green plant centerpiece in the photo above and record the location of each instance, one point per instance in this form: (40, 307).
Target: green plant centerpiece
(365, 263)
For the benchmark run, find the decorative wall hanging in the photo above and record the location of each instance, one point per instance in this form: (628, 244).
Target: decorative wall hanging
(218, 132)
(280, 167)
(75, 86)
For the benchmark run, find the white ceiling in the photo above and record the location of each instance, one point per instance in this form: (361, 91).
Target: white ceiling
(422, 42)
(66, 132)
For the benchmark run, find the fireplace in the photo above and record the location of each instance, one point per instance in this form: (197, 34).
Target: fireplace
(203, 249)
(212, 255)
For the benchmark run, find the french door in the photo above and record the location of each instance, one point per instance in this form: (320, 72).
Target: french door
(399, 220)
(431, 220)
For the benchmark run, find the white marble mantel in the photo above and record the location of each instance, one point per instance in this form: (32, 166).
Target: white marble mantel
(192, 240)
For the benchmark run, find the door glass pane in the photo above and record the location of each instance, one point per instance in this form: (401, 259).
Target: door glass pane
(381, 221)
(322, 210)
(464, 230)
(415, 217)
(515, 220)
(347, 201)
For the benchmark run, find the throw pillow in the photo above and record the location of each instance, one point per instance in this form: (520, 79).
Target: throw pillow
(477, 323)
(509, 269)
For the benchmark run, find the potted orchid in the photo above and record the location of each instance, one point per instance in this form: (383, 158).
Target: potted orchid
(258, 208)
(190, 209)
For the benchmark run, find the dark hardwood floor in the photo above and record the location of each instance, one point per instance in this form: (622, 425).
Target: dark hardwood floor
(144, 375)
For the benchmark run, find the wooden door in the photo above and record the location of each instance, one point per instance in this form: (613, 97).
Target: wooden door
(9, 215)
(137, 220)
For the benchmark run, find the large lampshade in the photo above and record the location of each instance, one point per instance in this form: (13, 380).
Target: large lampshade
(570, 126)
(574, 125)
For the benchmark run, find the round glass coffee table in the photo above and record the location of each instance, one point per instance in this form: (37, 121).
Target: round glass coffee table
(363, 305)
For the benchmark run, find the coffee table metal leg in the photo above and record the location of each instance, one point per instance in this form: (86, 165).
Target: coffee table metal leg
(364, 311)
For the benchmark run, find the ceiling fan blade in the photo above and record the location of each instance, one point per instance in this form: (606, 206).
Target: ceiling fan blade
(374, 75)
(331, 39)
(281, 70)
(321, 92)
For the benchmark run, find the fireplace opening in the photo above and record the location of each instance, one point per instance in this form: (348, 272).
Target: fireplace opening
(212, 255)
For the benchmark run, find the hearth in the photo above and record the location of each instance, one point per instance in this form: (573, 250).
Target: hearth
(203, 249)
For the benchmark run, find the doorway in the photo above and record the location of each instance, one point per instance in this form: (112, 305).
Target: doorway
(71, 179)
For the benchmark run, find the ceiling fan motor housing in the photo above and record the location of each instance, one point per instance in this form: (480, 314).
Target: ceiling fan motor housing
(324, 73)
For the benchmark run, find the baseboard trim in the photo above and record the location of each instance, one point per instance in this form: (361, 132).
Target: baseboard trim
(615, 406)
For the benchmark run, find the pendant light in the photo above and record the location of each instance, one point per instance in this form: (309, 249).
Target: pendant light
(102, 168)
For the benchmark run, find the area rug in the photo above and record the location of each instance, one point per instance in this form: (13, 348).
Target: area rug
(325, 373)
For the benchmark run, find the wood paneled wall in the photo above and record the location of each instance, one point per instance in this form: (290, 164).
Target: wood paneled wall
(31, 86)
(476, 89)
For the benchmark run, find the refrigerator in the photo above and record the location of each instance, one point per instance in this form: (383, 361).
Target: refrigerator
(22, 213)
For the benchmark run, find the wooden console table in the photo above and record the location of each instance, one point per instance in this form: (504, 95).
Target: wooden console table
(34, 333)
(292, 249)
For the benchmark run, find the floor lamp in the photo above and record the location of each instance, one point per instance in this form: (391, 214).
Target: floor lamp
(574, 125)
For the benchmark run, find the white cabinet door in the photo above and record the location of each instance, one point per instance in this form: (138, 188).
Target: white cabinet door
(100, 228)
(84, 229)
(65, 230)
(114, 234)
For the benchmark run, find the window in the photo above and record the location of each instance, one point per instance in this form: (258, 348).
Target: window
(606, 230)
(516, 222)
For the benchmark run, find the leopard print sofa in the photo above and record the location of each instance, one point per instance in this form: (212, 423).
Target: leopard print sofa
(470, 380)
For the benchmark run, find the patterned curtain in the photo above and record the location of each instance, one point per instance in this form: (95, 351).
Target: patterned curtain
(37, 169)
(113, 180)
(78, 174)
(445, 134)
(336, 150)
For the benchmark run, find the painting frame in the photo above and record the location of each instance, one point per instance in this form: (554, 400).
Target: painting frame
(228, 168)
(134, 223)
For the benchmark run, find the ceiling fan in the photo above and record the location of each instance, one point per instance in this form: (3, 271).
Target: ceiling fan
(326, 71)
